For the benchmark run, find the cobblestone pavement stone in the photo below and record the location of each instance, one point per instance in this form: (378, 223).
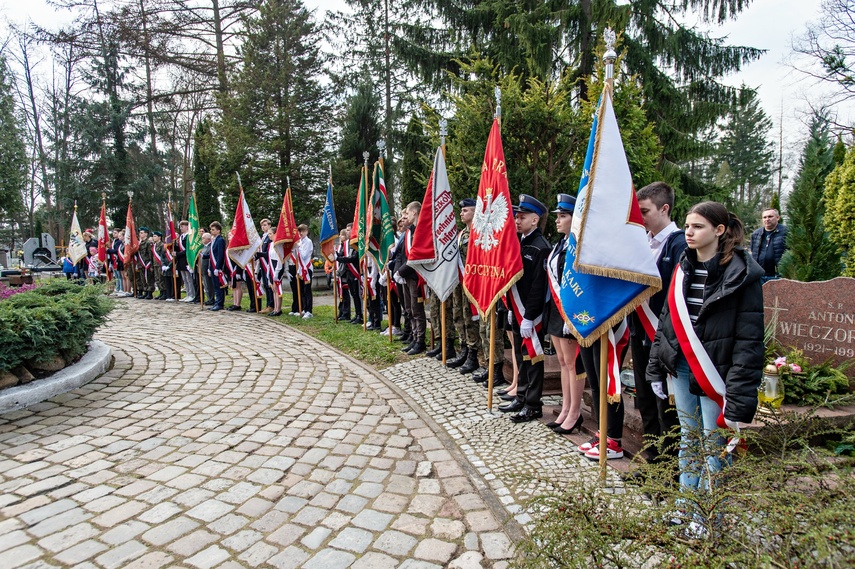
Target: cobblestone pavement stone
(518, 461)
(275, 451)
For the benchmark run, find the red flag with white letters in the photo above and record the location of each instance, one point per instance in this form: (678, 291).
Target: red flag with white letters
(493, 260)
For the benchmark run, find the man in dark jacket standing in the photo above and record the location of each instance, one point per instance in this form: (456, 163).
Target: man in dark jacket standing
(768, 244)
(218, 265)
(526, 300)
(667, 243)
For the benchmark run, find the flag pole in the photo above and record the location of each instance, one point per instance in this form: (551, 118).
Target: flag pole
(443, 130)
(106, 264)
(255, 286)
(492, 358)
(381, 145)
(132, 261)
(297, 265)
(609, 58)
(365, 292)
(335, 269)
(201, 287)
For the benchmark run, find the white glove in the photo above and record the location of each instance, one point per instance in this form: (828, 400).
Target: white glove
(398, 278)
(510, 318)
(164, 269)
(382, 280)
(526, 328)
(566, 329)
(216, 272)
(658, 390)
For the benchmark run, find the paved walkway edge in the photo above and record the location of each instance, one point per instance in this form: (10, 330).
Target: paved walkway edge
(513, 528)
(93, 364)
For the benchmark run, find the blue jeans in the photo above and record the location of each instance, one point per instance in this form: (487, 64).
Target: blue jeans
(694, 442)
(117, 275)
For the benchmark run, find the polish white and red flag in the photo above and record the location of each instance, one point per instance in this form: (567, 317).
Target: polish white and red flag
(244, 239)
(434, 253)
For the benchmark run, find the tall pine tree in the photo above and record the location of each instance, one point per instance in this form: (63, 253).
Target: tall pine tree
(277, 118)
(811, 256)
(13, 166)
(840, 209)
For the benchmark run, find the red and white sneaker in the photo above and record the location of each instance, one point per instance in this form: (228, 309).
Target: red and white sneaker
(613, 450)
(585, 447)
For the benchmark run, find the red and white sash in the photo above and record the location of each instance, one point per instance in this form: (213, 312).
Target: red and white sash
(157, 257)
(693, 349)
(554, 278)
(618, 339)
(649, 320)
(532, 349)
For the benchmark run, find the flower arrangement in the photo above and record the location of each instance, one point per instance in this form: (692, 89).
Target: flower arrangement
(810, 384)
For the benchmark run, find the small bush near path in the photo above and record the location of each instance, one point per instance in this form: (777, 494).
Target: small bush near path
(55, 320)
(782, 504)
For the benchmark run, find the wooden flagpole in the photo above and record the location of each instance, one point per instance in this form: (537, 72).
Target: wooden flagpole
(492, 359)
(175, 292)
(381, 145)
(365, 292)
(201, 281)
(603, 376)
(253, 278)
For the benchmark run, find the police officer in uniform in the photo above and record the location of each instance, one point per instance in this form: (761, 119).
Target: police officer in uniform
(526, 300)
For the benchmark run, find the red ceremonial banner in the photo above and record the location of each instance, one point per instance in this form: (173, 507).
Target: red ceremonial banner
(132, 240)
(286, 231)
(493, 261)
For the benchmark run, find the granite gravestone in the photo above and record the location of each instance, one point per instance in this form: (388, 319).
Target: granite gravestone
(817, 318)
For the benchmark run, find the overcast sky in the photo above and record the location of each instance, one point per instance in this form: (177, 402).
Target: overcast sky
(766, 24)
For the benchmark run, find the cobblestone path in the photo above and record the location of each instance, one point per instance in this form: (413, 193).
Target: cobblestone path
(518, 461)
(275, 451)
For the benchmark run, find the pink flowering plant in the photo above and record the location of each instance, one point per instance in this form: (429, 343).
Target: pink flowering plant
(811, 384)
(7, 291)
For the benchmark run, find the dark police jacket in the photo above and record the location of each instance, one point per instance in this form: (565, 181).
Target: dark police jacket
(534, 249)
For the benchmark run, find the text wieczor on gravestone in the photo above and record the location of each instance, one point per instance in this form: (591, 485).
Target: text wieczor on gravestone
(817, 318)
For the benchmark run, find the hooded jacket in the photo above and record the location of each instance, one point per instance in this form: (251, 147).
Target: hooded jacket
(730, 326)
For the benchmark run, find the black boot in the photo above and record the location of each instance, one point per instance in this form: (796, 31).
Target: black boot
(406, 338)
(418, 348)
(480, 375)
(471, 363)
(149, 296)
(449, 352)
(459, 360)
(498, 375)
(433, 352)
(408, 347)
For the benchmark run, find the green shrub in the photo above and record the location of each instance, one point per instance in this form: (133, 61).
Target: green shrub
(58, 318)
(783, 504)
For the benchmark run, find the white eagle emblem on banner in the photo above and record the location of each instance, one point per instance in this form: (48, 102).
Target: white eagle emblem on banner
(489, 220)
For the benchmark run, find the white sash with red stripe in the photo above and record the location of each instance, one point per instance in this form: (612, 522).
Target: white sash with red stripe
(649, 320)
(533, 350)
(693, 349)
(618, 339)
(554, 277)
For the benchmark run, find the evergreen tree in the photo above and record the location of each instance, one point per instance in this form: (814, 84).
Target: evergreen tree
(839, 152)
(840, 209)
(677, 65)
(810, 256)
(207, 198)
(360, 131)
(414, 169)
(746, 148)
(13, 166)
(277, 121)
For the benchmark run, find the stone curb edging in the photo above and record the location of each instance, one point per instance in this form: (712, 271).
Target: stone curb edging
(513, 528)
(94, 363)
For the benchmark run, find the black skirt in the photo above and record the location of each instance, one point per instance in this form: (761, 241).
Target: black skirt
(554, 324)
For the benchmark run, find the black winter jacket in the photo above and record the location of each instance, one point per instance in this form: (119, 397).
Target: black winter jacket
(730, 325)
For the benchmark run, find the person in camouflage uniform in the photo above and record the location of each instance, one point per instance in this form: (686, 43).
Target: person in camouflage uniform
(162, 267)
(465, 322)
(145, 268)
(436, 329)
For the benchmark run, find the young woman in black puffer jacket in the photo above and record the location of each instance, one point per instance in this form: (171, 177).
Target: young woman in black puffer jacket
(710, 338)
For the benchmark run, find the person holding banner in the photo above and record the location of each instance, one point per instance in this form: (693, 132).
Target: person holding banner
(304, 249)
(526, 300)
(413, 289)
(464, 317)
(566, 348)
(265, 268)
(161, 266)
(710, 338)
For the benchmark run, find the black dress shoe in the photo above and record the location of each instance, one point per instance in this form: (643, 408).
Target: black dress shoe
(372, 327)
(527, 415)
(250, 309)
(233, 307)
(576, 426)
(552, 424)
(275, 313)
(507, 397)
(512, 407)
(502, 392)
(214, 308)
(209, 303)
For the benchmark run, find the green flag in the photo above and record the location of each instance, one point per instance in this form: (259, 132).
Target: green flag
(194, 236)
(361, 215)
(381, 236)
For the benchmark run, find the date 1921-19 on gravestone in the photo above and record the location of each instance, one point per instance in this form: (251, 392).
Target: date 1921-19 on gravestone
(817, 318)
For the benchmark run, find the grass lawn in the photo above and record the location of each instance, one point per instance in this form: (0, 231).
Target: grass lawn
(366, 346)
